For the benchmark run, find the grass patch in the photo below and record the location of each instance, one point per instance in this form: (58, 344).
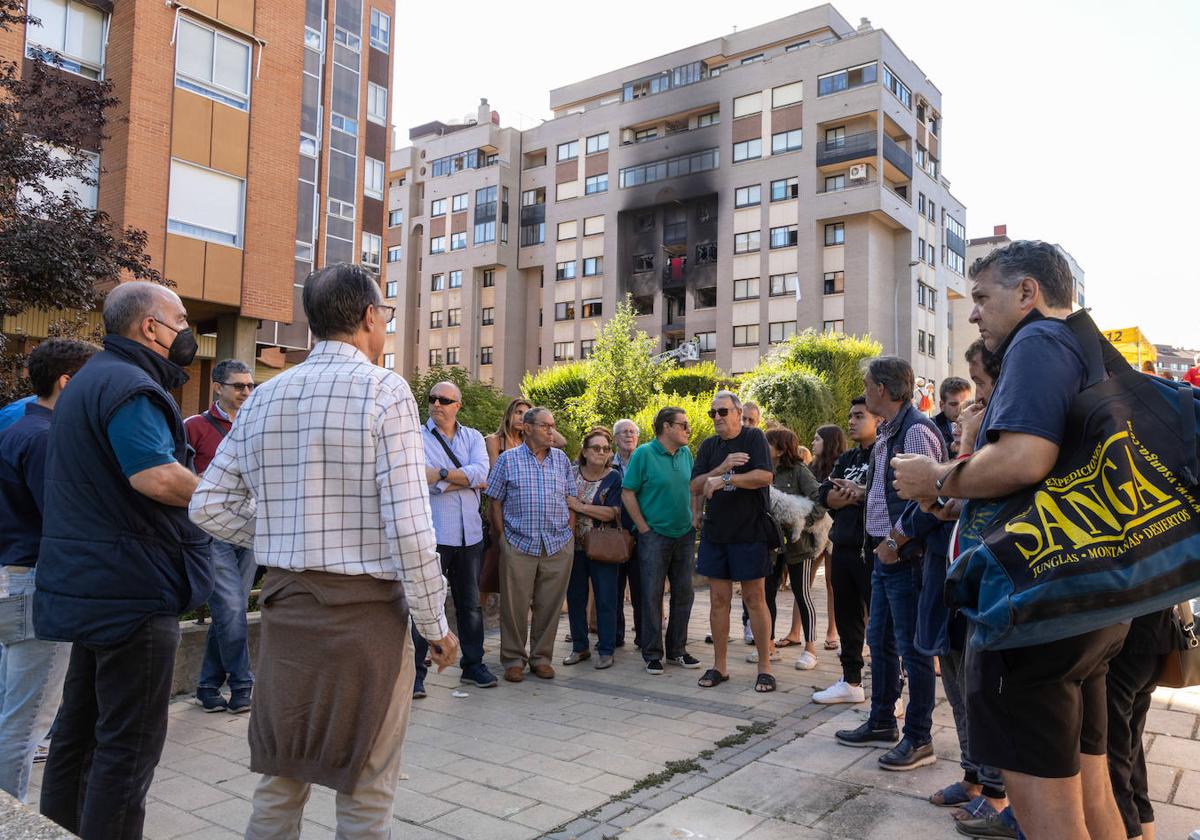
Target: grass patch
(744, 734)
(673, 769)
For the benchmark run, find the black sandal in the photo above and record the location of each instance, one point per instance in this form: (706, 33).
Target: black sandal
(712, 677)
(764, 684)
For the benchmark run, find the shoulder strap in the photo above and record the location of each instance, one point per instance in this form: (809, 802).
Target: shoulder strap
(433, 431)
(1187, 433)
(212, 421)
(1098, 353)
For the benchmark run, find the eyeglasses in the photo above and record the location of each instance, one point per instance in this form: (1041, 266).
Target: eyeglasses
(714, 412)
(241, 386)
(684, 425)
(433, 398)
(386, 312)
(550, 426)
(600, 449)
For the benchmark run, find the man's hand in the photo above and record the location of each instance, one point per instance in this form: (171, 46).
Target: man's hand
(698, 519)
(732, 460)
(432, 476)
(712, 485)
(444, 651)
(573, 503)
(886, 556)
(947, 513)
(916, 476)
(969, 421)
(854, 493)
(643, 528)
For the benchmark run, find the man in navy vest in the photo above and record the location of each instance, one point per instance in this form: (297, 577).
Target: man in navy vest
(119, 561)
(896, 579)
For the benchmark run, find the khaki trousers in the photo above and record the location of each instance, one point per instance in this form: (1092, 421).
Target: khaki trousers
(365, 813)
(530, 582)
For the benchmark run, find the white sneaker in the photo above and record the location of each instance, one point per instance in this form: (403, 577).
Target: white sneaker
(776, 656)
(807, 661)
(840, 692)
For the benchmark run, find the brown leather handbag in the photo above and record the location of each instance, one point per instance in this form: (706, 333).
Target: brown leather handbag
(611, 544)
(1181, 667)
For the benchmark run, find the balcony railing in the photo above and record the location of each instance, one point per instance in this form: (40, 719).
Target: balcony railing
(955, 243)
(533, 214)
(894, 154)
(849, 185)
(850, 147)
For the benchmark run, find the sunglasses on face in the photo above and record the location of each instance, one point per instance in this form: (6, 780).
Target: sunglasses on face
(600, 449)
(433, 398)
(719, 412)
(684, 425)
(240, 386)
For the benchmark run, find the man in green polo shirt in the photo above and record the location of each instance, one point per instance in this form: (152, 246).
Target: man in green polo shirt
(657, 498)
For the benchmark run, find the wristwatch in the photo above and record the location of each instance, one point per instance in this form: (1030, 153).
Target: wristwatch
(728, 478)
(442, 473)
(892, 544)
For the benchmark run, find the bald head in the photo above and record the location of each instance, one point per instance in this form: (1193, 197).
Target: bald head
(129, 304)
(447, 389)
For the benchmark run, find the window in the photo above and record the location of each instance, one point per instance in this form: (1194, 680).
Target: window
(485, 232)
(838, 326)
(381, 30)
(564, 311)
(835, 282)
(921, 249)
(784, 237)
(783, 284)
(564, 351)
(787, 94)
(747, 150)
(451, 355)
(88, 194)
(930, 253)
(395, 218)
(745, 336)
(72, 31)
(747, 196)
(377, 103)
(706, 252)
(852, 77)
(835, 183)
(458, 203)
(708, 342)
(778, 331)
(391, 289)
(750, 59)
(645, 134)
(745, 242)
(389, 360)
(920, 341)
(897, 87)
(372, 247)
(346, 124)
(435, 358)
(487, 316)
(458, 241)
(212, 64)
(648, 173)
(438, 207)
(205, 204)
(565, 270)
(705, 298)
(745, 289)
(592, 308)
(485, 355)
(373, 178)
(596, 143)
(921, 204)
(489, 278)
(835, 234)
(437, 282)
(437, 245)
(785, 188)
(713, 72)
(593, 266)
(346, 39)
(645, 222)
(454, 317)
(568, 151)
(744, 106)
(786, 141)
(435, 319)
(593, 225)
(586, 347)
(932, 214)
(643, 262)
(596, 183)
(796, 46)
(456, 279)
(705, 120)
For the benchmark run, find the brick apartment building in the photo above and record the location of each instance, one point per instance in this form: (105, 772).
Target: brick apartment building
(249, 143)
(784, 177)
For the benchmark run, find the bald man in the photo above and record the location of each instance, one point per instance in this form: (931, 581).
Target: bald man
(119, 561)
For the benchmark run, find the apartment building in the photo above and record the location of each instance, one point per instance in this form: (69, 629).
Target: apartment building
(250, 143)
(963, 331)
(784, 177)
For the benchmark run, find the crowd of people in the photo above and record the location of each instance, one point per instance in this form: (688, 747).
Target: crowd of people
(118, 515)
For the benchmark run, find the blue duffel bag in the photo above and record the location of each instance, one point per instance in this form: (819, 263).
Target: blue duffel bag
(1113, 532)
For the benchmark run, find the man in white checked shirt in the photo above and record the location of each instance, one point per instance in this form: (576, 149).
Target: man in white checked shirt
(324, 474)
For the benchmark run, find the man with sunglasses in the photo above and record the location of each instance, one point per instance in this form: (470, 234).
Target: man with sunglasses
(226, 656)
(456, 468)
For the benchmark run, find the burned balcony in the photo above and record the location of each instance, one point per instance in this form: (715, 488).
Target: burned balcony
(674, 273)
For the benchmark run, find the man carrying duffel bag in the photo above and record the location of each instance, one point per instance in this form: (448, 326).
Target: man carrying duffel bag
(1082, 515)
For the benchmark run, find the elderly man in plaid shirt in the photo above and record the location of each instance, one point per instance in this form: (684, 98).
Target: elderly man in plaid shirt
(324, 474)
(529, 486)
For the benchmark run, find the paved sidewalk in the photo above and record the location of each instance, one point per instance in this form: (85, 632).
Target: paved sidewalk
(620, 753)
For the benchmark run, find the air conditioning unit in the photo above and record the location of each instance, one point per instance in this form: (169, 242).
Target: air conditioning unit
(858, 172)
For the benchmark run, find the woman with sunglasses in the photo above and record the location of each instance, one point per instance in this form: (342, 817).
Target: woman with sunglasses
(599, 501)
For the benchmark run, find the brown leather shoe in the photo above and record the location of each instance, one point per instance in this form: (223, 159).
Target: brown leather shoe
(542, 671)
(514, 674)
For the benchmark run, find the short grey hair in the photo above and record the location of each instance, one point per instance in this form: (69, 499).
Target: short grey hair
(532, 414)
(728, 395)
(622, 423)
(336, 298)
(1029, 258)
(894, 374)
(128, 304)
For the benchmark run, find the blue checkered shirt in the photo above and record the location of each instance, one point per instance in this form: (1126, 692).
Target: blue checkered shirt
(536, 518)
(455, 508)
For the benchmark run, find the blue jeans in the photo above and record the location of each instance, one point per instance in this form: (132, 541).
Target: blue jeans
(603, 577)
(31, 683)
(891, 629)
(225, 653)
(460, 565)
(662, 559)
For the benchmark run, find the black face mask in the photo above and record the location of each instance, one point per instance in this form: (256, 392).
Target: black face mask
(183, 348)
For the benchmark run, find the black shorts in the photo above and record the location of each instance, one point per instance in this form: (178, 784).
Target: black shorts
(1033, 710)
(734, 561)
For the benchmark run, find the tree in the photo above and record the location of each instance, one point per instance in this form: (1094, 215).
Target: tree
(55, 253)
(838, 358)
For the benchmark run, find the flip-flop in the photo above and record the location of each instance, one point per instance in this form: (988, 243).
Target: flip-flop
(951, 796)
(786, 642)
(764, 684)
(977, 809)
(712, 677)
(832, 645)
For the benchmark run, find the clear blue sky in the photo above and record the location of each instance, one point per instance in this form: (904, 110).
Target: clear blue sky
(1074, 122)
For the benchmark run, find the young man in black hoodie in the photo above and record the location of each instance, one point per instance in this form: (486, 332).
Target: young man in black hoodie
(845, 494)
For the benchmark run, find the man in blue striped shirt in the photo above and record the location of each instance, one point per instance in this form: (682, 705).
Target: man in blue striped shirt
(456, 468)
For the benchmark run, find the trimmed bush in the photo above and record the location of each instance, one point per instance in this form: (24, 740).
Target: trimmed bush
(554, 387)
(838, 358)
(696, 408)
(795, 396)
(696, 380)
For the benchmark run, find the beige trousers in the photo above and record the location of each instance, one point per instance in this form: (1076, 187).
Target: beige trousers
(365, 813)
(538, 583)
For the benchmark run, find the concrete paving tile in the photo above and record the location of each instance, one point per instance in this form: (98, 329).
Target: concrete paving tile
(562, 795)
(242, 786)
(543, 817)
(487, 773)
(877, 815)
(1161, 781)
(695, 818)
(466, 824)
(214, 832)
(235, 748)
(210, 768)
(1174, 821)
(1173, 751)
(780, 830)
(421, 780)
(186, 793)
(233, 814)
(609, 784)
(631, 817)
(564, 771)
(164, 821)
(408, 831)
(919, 783)
(1188, 792)
(619, 764)
(498, 803)
(780, 793)
(1182, 724)
(419, 807)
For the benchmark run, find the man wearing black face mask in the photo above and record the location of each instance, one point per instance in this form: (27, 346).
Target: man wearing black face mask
(119, 561)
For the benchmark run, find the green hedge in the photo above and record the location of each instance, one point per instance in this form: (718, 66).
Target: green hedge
(837, 357)
(482, 405)
(696, 408)
(698, 380)
(795, 396)
(554, 387)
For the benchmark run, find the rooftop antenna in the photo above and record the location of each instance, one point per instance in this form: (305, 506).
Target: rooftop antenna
(735, 29)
